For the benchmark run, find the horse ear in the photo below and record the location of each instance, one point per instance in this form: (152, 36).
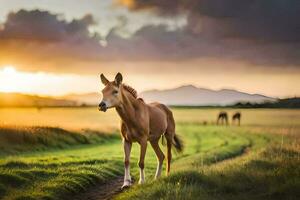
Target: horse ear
(104, 80)
(118, 78)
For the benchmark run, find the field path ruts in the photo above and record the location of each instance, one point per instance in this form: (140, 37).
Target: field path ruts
(111, 188)
(102, 191)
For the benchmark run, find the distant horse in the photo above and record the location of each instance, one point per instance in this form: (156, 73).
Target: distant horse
(141, 122)
(223, 118)
(236, 117)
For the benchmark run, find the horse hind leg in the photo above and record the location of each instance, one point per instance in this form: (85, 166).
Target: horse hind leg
(160, 157)
(169, 135)
(169, 155)
(169, 138)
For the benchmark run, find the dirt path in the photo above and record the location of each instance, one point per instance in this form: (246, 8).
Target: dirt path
(111, 188)
(103, 191)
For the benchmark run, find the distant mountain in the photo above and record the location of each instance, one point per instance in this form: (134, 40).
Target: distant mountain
(190, 95)
(24, 100)
(84, 99)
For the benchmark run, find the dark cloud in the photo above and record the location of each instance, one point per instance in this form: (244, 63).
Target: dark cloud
(258, 31)
(221, 30)
(42, 25)
(262, 20)
(158, 43)
(44, 36)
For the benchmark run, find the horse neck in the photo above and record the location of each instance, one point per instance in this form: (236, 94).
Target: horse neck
(127, 109)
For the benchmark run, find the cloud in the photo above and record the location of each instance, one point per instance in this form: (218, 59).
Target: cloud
(43, 26)
(41, 35)
(259, 32)
(216, 30)
(154, 42)
(267, 20)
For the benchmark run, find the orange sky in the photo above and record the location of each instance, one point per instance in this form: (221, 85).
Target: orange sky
(45, 83)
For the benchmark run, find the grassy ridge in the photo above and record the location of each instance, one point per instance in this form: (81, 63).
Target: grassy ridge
(39, 163)
(273, 176)
(20, 139)
(57, 173)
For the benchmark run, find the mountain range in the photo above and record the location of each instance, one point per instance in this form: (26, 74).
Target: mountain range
(190, 95)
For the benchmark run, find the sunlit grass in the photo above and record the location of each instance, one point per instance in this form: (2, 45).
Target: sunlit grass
(262, 168)
(81, 118)
(19, 139)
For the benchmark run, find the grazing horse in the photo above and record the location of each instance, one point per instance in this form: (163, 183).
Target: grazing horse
(236, 117)
(223, 117)
(141, 122)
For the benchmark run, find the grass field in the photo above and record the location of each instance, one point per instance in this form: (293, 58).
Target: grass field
(259, 160)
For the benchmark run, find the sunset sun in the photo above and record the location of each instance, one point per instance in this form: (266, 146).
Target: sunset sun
(14, 80)
(9, 81)
(9, 69)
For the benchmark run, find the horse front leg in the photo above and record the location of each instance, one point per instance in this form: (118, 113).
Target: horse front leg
(127, 150)
(143, 145)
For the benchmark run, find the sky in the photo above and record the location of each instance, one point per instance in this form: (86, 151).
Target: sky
(56, 47)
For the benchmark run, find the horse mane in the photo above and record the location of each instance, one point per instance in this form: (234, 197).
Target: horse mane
(131, 90)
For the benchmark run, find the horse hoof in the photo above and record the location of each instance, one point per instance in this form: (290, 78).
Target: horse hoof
(126, 184)
(125, 187)
(141, 182)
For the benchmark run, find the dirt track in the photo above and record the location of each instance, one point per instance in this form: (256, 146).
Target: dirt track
(103, 191)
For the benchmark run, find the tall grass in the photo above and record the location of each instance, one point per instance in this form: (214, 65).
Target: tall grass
(51, 163)
(14, 139)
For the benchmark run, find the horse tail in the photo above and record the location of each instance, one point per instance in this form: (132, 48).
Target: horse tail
(163, 140)
(177, 143)
(170, 134)
(172, 139)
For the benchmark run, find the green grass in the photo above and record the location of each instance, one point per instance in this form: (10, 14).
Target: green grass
(257, 161)
(56, 173)
(250, 166)
(271, 174)
(15, 139)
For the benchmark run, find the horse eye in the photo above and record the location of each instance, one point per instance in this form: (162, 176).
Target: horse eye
(115, 92)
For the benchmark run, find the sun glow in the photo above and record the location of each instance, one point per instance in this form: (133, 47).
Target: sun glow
(9, 70)
(43, 83)
(8, 75)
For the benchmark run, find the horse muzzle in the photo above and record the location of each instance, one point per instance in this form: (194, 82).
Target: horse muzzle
(102, 107)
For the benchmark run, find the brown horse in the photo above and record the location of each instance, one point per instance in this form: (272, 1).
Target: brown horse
(223, 117)
(141, 122)
(236, 117)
